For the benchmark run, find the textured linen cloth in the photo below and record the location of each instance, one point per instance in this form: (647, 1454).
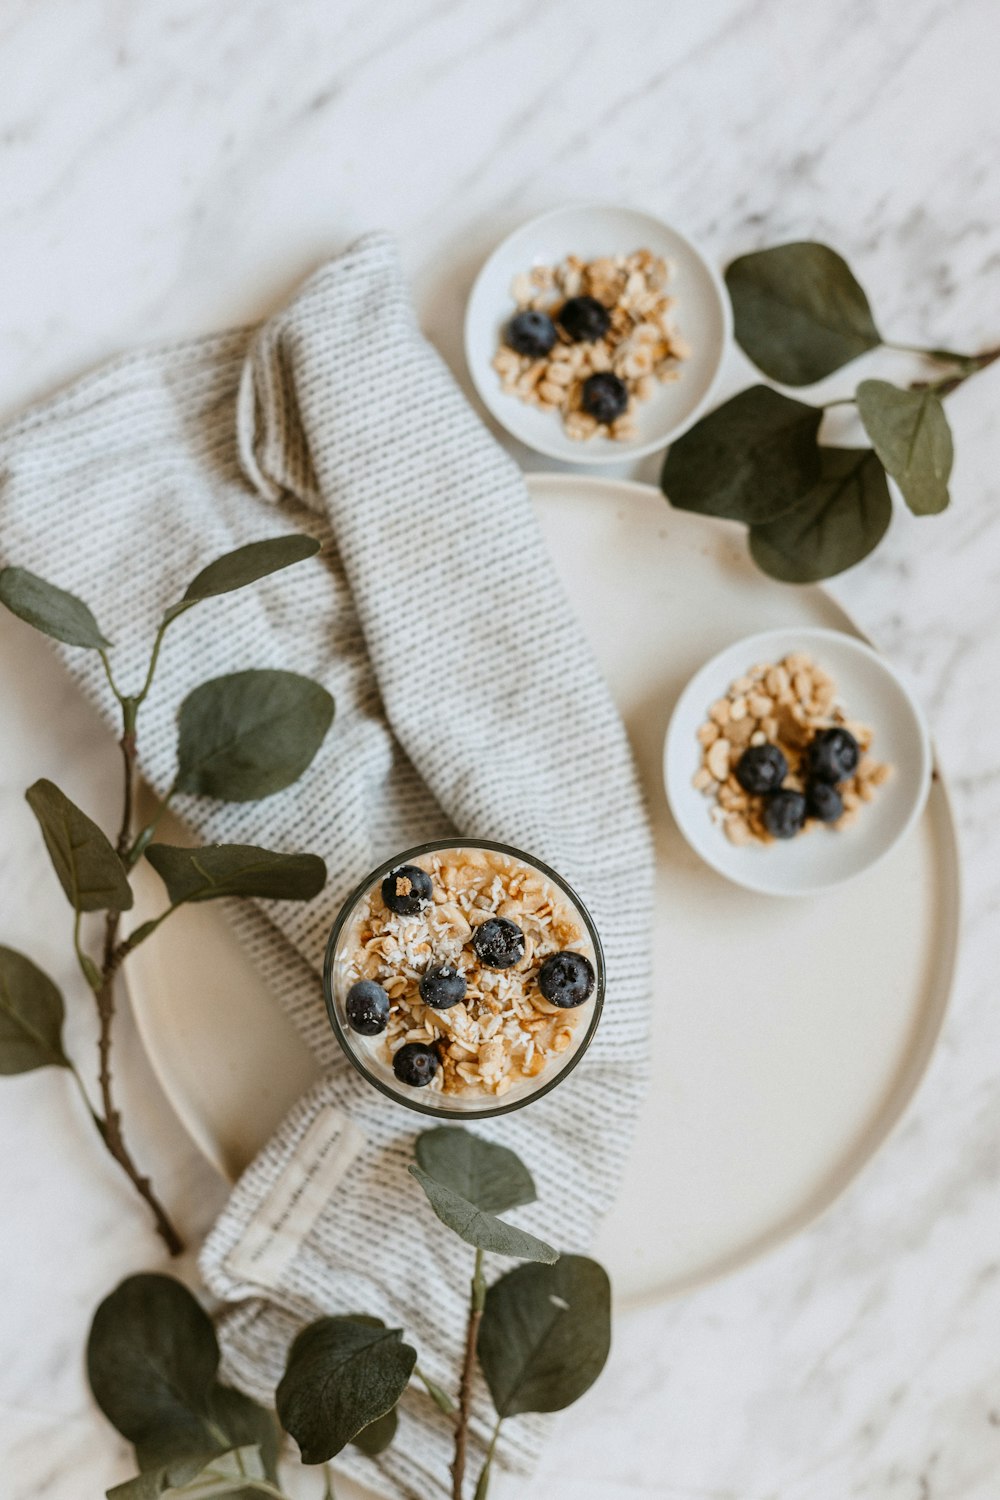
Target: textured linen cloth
(467, 704)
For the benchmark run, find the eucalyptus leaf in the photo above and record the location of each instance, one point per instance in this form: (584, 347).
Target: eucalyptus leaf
(911, 435)
(798, 311)
(250, 734)
(49, 609)
(545, 1334)
(490, 1176)
(31, 1016)
(477, 1227)
(840, 520)
(235, 870)
(752, 459)
(235, 570)
(377, 1436)
(342, 1375)
(197, 1478)
(89, 870)
(152, 1357)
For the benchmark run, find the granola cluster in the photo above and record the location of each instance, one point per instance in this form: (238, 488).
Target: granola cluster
(504, 1031)
(791, 707)
(636, 344)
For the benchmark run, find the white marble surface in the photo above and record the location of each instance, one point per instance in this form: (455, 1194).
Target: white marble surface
(173, 168)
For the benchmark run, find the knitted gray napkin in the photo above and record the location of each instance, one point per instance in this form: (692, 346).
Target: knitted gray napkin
(467, 704)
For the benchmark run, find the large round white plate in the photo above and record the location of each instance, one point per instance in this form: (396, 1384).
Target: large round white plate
(787, 1035)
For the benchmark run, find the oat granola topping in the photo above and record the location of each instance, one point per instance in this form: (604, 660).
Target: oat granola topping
(786, 704)
(503, 1031)
(640, 345)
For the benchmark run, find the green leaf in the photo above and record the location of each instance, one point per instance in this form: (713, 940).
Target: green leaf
(545, 1334)
(342, 1375)
(236, 870)
(839, 521)
(492, 1177)
(31, 1017)
(749, 460)
(152, 1356)
(51, 610)
(197, 1478)
(910, 434)
(89, 870)
(377, 1436)
(244, 566)
(798, 311)
(250, 734)
(477, 1227)
(441, 1399)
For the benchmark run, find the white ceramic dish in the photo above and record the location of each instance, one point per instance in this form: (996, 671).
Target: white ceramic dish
(703, 317)
(787, 1036)
(872, 693)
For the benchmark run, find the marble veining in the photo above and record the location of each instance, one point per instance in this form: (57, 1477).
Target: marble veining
(173, 168)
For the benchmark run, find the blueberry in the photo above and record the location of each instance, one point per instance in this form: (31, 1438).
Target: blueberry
(784, 814)
(532, 333)
(824, 802)
(367, 1007)
(415, 1065)
(499, 944)
(604, 396)
(566, 979)
(406, 889)
(761, 768)
(833, 755)
(441, 988)
(585, 319)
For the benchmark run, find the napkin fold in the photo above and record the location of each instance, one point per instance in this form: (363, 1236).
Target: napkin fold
(467, 705)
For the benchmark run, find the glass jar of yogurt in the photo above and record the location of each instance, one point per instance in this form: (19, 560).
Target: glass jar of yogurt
(464, 980)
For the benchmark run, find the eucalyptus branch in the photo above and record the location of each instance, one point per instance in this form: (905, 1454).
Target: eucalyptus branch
(476, 1303)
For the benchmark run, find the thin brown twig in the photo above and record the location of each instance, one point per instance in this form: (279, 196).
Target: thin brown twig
(465, 1388)
(105, 996)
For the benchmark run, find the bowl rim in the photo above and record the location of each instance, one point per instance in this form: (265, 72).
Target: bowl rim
(434, 846)
(808, 634)
(624, 452)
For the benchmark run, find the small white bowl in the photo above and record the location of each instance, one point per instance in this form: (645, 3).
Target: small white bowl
(873, 694)
(702, 311)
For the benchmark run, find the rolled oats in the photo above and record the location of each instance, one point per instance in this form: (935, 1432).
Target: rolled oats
(642, 346)
(786, 704)
(504, 1032)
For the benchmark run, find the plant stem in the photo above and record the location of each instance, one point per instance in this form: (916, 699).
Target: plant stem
(328, 1491)
(841, 401)
(477, 1302)
(112, 1131)
(482, 1483)
(144, 837)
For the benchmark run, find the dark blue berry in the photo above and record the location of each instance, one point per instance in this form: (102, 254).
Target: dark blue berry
(406, 889)
(585, 319)
(761, 768)
(441, 988)
(824, 802)
(499, 944)
(833, 755)
(566, 979)
(415, 1065)
(532, 333)
(604, 396)
(784, 814)
(367, 1007)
